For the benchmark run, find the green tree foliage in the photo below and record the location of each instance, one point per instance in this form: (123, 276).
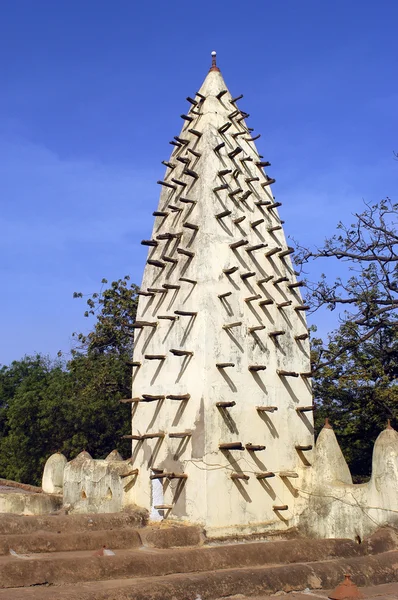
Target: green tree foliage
(48, 406)
(355, 370)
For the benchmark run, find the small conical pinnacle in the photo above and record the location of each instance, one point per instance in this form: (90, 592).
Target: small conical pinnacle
(214, 62)
(327, 424)
(389, 424)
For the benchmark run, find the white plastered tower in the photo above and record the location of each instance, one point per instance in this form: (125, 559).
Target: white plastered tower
(221, 406)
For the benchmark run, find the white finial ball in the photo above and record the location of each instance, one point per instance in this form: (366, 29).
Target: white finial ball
(214, 53)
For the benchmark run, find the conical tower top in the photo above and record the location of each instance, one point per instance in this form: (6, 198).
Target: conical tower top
(214, 62)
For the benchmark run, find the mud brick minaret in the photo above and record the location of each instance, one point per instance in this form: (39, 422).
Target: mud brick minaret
(221, 404)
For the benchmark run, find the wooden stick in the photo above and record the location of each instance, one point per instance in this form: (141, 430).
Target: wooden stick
(223, 214)
(171, 286)
(187, 118)
(265, 475)
(168, 476)
(307, 375)
(296, 284)
(302, 336)
(280, 280)
(224, 365)
(265, 279)
(274, 205)
(156, 263)
(221, 94)
(239, 219)
(183, 397)
(263, 163)
(149, 436)
(255, 224)
(247, 275)
(234, 114)
(168, 164)
(274, 334)
(255, 368)
(185, 252)
(130, 473)
(166, 184)
(274, 228)
(280, 507)
(226, 404)
(192, 101)
(302, 307)
(167, 317)
(133, 363)
(163, 506)
(179, 182)
(250, 179)
(254, 447)
(191, 226)
(155, 356)
(291, 474)
(256, 328)
(183, 434)
(270, 409)
(218, 148)
(231, 446)
(224, 172)
(283, 373)
(272, 251)
(253, 139)
(224, 186)
(224, 295)
(262, 203)
(309, 408)
(150, 398)
(182, 141)
(233, 100)
(239, 476)
(256, 247)
(181, 352)
(140, 324)
(268, 182)
(290, 250)
(234, 192)
(187, 201)
(157, 290)
(195, 132)
(236, 135)
(142, 293)
(170, 259)
(246, 195)
(231, 325)
(252, 298)
(230, 270)
(284, 304)
(185, 313)
(246, 159)
(235, 152)
(188, 280)
(194, 152)
(149, 243)
(238, 244)
(300, 448)
(160, 213)
(224, 127)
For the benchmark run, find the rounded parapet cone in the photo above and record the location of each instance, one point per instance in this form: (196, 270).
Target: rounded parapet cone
(329, 463)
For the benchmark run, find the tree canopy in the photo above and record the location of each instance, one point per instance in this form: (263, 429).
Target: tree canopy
(52, 405)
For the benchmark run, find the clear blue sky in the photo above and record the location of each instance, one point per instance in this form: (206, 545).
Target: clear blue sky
(91, 93)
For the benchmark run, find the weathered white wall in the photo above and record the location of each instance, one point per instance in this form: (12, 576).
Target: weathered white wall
(209, 496)
(92, 486)
(336, 507)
